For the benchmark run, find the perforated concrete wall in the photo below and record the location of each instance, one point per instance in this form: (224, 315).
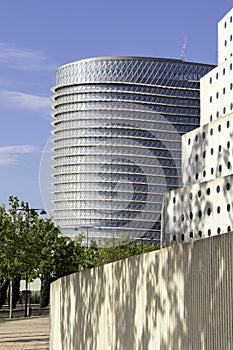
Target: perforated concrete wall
(207, 151)
(176, 298)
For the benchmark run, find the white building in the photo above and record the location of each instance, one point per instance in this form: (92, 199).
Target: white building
(203, 206)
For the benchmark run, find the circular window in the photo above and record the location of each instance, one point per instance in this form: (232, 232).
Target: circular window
(224, 110)
(217, 95)
(182, 237)
(211, 132)
(220, 168)
(211, 151)
(212, 171)
(200, 213)
(228, 124)
(208, 211)
(219, 148)
(217, 114)
(209, 232)
(228, 165)
(204, 154)
(174, 238)
(196, 138)
(211, 118)
(219, 230)
(218, 209)
(228, 207)
(218, 189)
(229, 229)
(224, 91)
(199, 233)
(196, 176)
(174, 200)
(196, 157)
(204, 173)
(191, 215)
(223, 71)
(219, 128)
(217, 76)
(231, 86)
(208, 191)
(228, 144)
(182, 217)
(203, 135)
(199, 194)
(228, 186)
(191, 235)
(225, 42)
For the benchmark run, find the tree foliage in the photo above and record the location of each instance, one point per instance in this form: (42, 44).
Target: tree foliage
(32, 246)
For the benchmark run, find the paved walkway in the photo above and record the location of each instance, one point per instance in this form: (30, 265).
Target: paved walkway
(27, 333)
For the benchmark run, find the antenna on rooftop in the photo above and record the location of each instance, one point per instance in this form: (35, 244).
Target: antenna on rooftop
(183, 47)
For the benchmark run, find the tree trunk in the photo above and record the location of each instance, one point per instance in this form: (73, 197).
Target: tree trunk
(11, 299)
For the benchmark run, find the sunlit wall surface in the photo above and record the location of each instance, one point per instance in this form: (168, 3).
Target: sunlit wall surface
(118, 123)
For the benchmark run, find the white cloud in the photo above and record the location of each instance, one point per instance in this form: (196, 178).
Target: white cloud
(24, 59)
(11, 154)
(25, 101)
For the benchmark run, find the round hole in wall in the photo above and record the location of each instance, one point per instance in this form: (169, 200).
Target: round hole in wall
(228, 186)
(228, 144)
(217, 76)
(210, 99)
(225, 42)
(191, 215)
(189, 178)
(219, 148)
(218, 209)
(224, 110)
(182, 237)
(224, 91)
(231, 86)
(217, 114)
(209, 211)
(219, 230)
(191, 234)
(228, 124)
(230, 40)
(228, 165)
(231, 19)
(228, 207)
(199, 193)
(204, 154)
(225, 24)
(208, 191)
(174, 200)
(182, 217)
(211, 118)
(190, 196)
(174, 238)
(219, 128)
(200, 213)
(189, 141)
(196, 176)
(182, 198)
(231, 106)
(210, 80)
(199, 233)
(212, 171)
(218, 189)
(203, 135)
(211, 151)
(211, 131)
(228, 228)
(196, 138)
(217, 95)
(204, 173)
(220, 168)
(209, 232)
(174, 218)
(223, 71)
(196, 157)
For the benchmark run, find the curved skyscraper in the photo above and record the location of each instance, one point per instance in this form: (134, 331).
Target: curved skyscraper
(118, 123)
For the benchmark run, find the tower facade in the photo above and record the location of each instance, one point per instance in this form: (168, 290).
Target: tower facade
(118, 123)
(204, 206)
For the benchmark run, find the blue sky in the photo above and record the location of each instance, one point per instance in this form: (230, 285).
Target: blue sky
(36, 37)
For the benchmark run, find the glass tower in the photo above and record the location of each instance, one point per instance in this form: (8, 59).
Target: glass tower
(117, 131)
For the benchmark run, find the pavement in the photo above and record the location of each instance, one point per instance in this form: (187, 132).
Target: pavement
(25, 333)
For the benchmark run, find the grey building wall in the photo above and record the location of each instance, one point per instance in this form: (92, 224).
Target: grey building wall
(179, 297)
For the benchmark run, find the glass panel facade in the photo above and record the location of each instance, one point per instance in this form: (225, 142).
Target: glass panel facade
(117, 141)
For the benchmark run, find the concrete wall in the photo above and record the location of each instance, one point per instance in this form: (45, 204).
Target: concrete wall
(177, 298)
